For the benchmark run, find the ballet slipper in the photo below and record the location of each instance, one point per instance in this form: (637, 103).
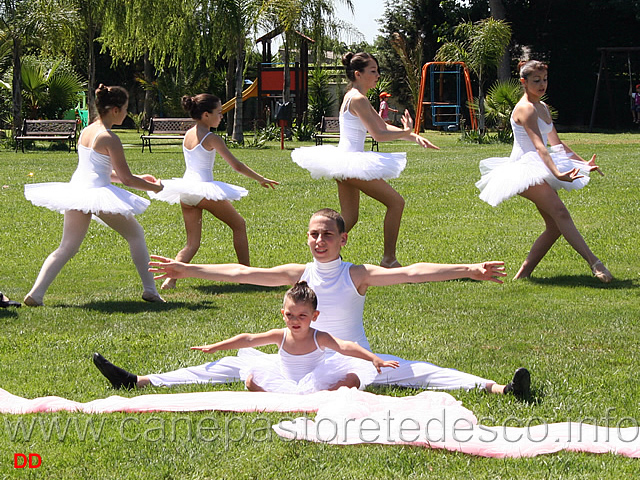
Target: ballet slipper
(601, 272)
(394, 264)
(153, 298)
(5, 302)
(520, 385)
(118, 377)
(29, 301)
(169, 283)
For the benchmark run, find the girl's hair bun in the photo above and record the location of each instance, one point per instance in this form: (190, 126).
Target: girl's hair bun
(346, 58)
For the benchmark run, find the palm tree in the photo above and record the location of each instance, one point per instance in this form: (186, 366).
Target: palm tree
(48, 92)
(314, 18)
(481, 46)
(24, 21)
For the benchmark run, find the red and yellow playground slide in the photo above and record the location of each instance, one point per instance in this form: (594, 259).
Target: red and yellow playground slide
(252, 91)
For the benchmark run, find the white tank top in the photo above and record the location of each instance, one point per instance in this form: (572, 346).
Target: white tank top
(94, 168)
(199, 162)
(352, 132)
(294, 367)
(341, 306)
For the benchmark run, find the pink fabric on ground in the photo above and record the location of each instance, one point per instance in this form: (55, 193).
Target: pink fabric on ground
(349, 416)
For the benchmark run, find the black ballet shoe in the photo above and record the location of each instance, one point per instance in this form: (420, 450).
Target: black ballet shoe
(118, 377)
(5, 302)
(520, 385)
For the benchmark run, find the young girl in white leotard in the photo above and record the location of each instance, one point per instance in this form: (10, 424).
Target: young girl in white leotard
(197, 190)
(356, 170)
(537, 173)
(301, 366)
(101, 161)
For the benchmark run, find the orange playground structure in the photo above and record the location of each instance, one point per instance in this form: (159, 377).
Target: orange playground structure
(442, 100)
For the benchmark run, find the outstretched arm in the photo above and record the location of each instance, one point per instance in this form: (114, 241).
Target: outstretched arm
(236, 164)
(352, 349)
(364, 276)
(554, 139)
(382, 131)
(243, 340)
(268, 277)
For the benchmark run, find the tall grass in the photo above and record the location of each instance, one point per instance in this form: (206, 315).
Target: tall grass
(577, 336)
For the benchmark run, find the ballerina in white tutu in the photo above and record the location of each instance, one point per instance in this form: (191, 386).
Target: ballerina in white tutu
(101, 161)
(356, 170)
(197, 190)
(301, 365)
(536, 173)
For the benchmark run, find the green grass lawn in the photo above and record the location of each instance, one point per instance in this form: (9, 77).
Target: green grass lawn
(578, 337)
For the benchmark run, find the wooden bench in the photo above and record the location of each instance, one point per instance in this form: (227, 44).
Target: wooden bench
(48, 131)
(166, 129)
(330, 130)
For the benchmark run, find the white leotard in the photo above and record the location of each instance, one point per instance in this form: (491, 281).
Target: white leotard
(89, 190)
(295, 367)
(352, 132)
(341, 306)
(504, 177)
(197, 182)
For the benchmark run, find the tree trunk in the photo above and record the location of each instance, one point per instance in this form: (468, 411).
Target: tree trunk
(17, 85)
(91, 94)
(237, 124)
(481, 109)
(148, 93)
(498, 12)
(230, 87)
(286, 88)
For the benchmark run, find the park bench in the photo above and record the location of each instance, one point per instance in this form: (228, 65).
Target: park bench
(49, 131)
(166, 129)
(330, 129)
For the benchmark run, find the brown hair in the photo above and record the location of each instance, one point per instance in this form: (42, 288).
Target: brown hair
(332, 215)
(526, 68)
(301, 292)
(196, 106)
(356, 62)
(110, 97)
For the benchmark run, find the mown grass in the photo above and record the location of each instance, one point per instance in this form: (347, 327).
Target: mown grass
(577, 336)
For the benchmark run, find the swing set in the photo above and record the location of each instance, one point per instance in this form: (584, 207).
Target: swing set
(603, 74)
(441, 84)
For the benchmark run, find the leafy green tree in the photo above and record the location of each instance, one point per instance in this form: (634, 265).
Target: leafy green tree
(481, 46)
(23, 22)
(321, 103)
(411, 34)
(49, 91)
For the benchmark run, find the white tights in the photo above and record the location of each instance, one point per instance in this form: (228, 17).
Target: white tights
(76, 225)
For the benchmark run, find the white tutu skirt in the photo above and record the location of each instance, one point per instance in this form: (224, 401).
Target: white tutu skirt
(213, 190)
(266, 372)
(60, 197)
(329, 161)
(502, 177)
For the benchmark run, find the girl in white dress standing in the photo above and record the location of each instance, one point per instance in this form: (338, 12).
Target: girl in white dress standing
(536, 173)
(197, 190)
(101, 161)
(356, 170)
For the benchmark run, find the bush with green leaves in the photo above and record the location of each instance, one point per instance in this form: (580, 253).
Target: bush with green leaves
(49, 87)
(321, 103)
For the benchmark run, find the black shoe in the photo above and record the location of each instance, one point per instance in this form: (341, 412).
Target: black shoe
(5, 302)
(118, 377)
(520, 386)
